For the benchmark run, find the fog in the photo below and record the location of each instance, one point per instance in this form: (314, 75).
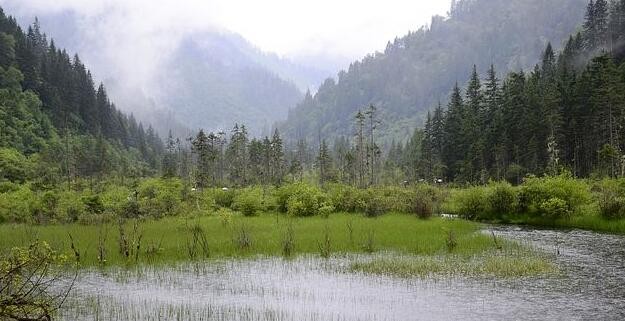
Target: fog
(126, 43)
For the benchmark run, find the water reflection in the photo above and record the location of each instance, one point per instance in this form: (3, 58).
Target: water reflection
(591, 286)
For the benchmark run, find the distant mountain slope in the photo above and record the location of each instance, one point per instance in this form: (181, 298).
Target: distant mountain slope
(209, 79)
(211, 82)
(417, 70)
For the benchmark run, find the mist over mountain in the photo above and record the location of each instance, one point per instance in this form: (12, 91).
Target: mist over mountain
(203, 79)
(416, 71)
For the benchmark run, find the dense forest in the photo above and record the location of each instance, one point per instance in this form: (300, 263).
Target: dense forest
(417, 70)
(566, 113)
(55, 124)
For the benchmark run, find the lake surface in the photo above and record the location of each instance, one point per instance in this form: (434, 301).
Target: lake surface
(591, 286)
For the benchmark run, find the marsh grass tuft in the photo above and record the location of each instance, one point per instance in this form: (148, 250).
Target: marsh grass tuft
(288, 241)
(325, 245)
(369, 242)
(243, 238)
(507, 264)
(198, 243)
(451, 241)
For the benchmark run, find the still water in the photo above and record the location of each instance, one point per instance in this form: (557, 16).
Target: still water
(591, 286)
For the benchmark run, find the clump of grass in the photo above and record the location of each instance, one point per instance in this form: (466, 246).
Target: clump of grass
(198, 242)
(451, 241)
(325, 245)
(243, 238)
(288, 242)
(102, 252)
(369, 243)
(350, 231)
(129, 242)
(507, 265)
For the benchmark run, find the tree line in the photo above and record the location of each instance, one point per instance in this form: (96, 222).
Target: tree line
(568, 113)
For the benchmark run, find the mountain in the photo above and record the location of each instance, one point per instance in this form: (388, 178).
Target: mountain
(212, 81)
(202, 79)
(53, 115)
(418, 70)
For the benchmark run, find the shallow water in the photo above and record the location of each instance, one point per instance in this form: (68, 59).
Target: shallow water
(591, 286)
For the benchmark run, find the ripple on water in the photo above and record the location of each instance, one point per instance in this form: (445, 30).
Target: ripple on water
(591, 286)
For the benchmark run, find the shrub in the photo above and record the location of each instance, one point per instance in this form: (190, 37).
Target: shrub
(537, 194)
(422, 206)
(375, 204)
(224, 198)
(501, 199)
(248, 201)
(613, 208)
(611, 198)
(325, 210)
(307, 202)
(348, 198)
(555, 208)
(160, 197)
(285, 192)
(70, 207)
(93, 204)
(18, 206)
(471, 203)
(115, 198)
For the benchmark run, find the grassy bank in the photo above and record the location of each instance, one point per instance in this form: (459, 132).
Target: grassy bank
(178, 239)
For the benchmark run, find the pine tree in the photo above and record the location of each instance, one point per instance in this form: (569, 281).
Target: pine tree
(324, 163)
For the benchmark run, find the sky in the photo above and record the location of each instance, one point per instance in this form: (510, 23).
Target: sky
(346, 28)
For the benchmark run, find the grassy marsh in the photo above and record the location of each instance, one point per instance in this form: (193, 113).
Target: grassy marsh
(179, 239)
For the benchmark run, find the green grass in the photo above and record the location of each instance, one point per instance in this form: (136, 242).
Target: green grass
(490, 263)
(168, 240)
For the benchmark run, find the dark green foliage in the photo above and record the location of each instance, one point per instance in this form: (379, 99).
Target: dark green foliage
(49, 106)
(416, 70)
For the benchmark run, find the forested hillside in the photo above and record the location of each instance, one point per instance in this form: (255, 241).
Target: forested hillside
(417, 70)
(566, 114)
(55, 124)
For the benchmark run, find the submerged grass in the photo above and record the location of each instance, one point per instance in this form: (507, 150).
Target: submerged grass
(489, 263)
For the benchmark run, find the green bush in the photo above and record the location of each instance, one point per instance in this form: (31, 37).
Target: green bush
(348, 198)
(284, 193)
(555, 208)
(501, 199)
(308, 201)
(248, 201)
(160, 197)
(422, 206)
(376, 204)
(613, 208)
(471, 203)
(224, 198)
(611, 198)
(18, 206)
(539, 194)
(70, 207)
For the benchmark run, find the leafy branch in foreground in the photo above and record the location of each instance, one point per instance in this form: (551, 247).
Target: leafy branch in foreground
(33, 283)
